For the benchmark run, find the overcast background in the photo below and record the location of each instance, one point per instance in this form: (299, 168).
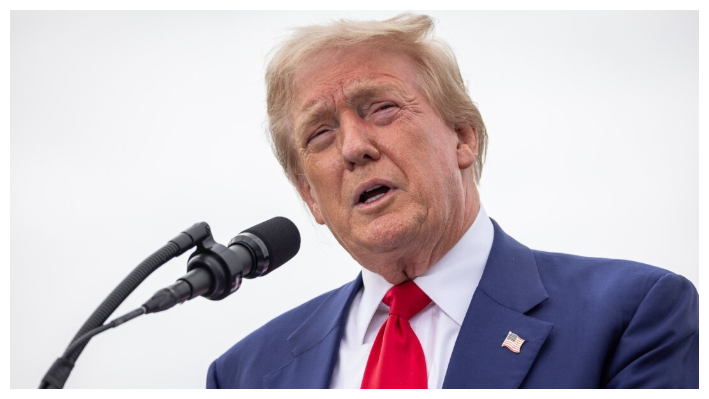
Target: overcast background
(128, 127)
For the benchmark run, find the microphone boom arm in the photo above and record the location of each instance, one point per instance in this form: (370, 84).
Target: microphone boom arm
(59, 371)
(213, 271)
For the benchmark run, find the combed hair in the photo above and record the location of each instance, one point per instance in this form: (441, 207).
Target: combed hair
(438, 75)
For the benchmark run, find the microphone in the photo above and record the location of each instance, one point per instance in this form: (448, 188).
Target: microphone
(215, 271)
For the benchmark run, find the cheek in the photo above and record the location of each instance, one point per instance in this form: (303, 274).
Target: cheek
(438, 170)
(325, 182)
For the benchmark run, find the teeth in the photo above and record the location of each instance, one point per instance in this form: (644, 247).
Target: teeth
(376, 197)
(373, 188)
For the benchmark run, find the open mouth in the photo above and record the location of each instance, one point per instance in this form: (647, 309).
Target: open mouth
(373, 194)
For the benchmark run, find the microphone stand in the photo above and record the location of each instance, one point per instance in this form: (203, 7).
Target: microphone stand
(59, 371)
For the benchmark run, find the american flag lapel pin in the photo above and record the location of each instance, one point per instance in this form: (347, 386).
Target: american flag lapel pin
(513, 342)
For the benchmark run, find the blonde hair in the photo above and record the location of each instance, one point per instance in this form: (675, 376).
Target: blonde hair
(438, 75)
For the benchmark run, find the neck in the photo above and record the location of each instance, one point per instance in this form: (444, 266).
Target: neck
(409, 262)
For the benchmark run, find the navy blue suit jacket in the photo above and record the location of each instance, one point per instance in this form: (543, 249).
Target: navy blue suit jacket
(586, 322)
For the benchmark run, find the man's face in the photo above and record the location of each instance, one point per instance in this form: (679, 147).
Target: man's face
(377, 164)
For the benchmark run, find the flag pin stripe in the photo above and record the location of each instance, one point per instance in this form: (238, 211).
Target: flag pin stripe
(513, 342)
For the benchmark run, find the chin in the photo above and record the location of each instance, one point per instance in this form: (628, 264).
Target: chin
(387, 234)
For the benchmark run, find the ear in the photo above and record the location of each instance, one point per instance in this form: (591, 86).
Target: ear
(306, 193)
(467, 149)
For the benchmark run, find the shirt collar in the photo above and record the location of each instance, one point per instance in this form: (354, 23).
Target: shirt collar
(450, 282)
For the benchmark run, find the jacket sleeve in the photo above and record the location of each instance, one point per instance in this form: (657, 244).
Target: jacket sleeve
(660, 346)
(212, 376)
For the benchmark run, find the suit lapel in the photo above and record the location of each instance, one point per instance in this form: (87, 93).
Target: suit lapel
(510, 286)
(315, 343)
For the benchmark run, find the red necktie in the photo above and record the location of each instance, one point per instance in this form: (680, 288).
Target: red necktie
(396, 359)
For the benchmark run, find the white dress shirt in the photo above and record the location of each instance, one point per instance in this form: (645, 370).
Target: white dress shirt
(450, 283)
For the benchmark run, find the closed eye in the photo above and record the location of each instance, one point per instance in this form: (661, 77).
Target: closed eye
(383, 113)
(383, 107)
(319, 138)
(319, 132)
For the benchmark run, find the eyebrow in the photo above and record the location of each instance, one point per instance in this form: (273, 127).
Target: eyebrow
(313, 110)
(365, 88)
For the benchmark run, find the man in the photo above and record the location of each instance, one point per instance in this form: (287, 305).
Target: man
(372, 124)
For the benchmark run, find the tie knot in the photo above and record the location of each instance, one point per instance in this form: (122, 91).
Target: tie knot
(405, 300)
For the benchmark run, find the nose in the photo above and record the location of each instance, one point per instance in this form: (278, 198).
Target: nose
(356, 142)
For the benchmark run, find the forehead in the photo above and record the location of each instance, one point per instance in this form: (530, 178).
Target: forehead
(341, 74)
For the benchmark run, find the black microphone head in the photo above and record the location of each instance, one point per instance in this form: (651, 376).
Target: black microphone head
(273, 242)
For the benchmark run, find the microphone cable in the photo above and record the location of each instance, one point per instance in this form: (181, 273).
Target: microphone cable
(214, 272)
(82, 340)
(59, 372)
